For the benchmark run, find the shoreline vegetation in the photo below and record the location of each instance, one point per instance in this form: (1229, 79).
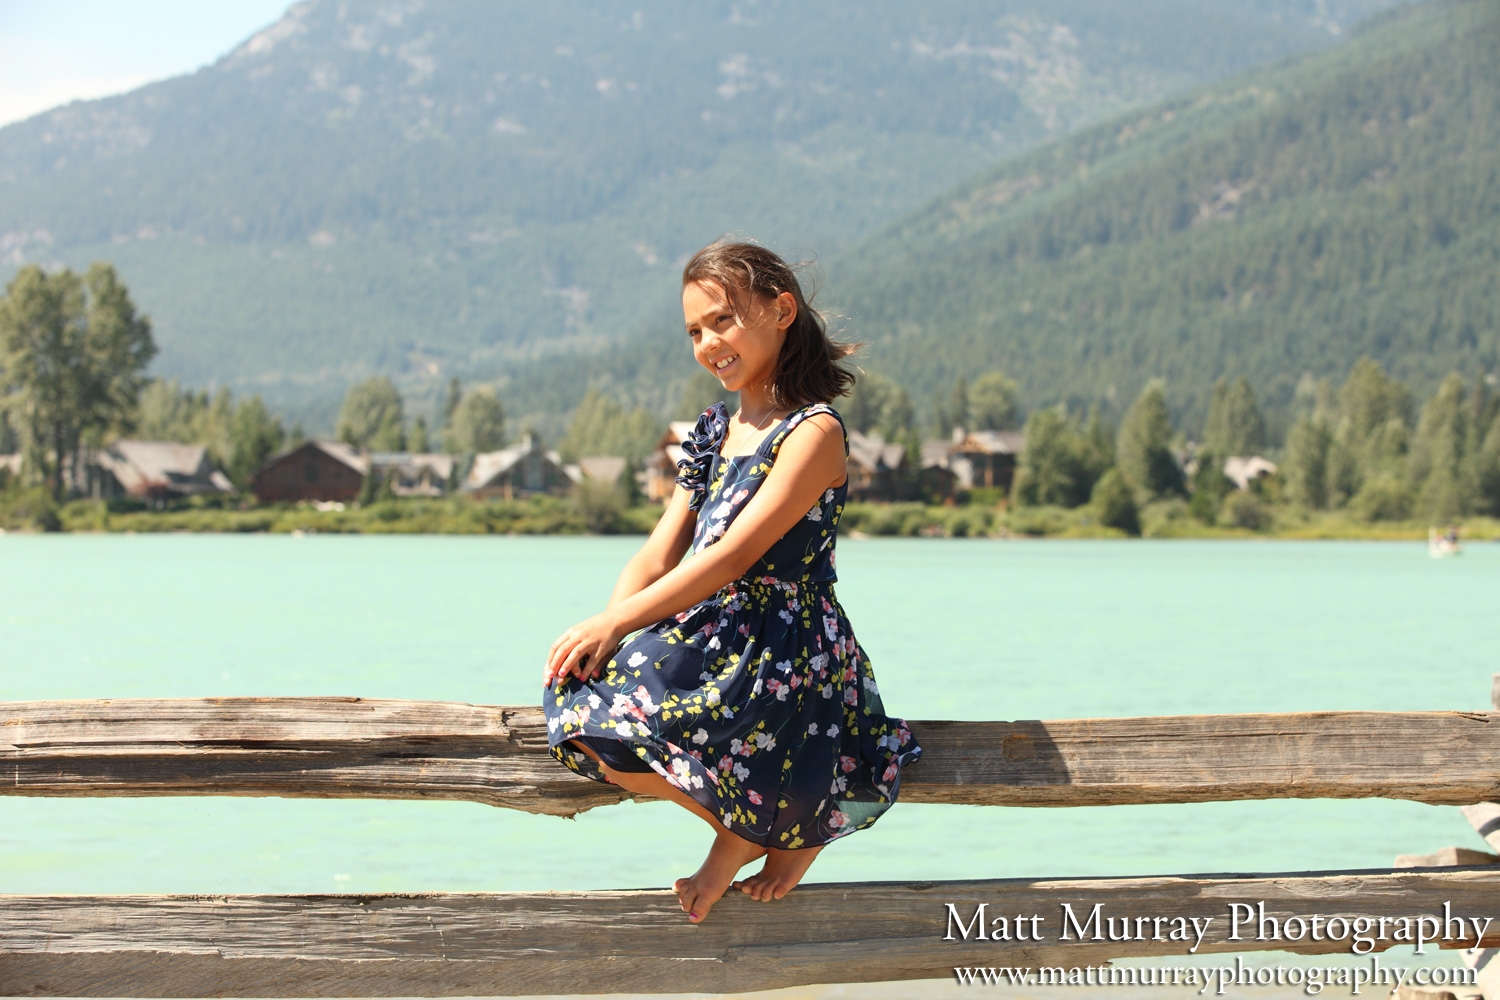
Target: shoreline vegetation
(31, 511)
(1365, 459)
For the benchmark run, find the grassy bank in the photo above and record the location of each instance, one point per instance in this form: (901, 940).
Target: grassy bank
(32, 511)
(1167, 519)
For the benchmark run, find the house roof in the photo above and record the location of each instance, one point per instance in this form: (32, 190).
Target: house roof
(145, 466)
(991, 442)
(409, 465)
(344, 453)
(1240, 469)
(603, 467)
(935, 453)
(870, 451)
(490, 465)
(336, 450)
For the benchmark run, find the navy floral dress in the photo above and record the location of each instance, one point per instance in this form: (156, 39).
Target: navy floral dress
(757, 702)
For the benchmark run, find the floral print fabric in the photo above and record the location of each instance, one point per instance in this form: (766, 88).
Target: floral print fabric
(758, 702)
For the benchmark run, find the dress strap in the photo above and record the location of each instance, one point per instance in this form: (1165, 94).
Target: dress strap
(800, 414)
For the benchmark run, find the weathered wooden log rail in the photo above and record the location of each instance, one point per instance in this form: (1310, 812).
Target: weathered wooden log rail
(360, 748)
(507, 944)
(449, 944)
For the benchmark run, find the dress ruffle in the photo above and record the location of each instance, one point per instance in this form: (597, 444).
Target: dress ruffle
(700, 449)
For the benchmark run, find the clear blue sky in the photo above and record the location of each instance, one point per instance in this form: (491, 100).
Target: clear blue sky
(55, 51)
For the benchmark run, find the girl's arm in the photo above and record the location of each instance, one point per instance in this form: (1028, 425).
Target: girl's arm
(806, 464)
(665, 548)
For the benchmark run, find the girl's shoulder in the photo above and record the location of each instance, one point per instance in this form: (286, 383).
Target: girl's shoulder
(805, 413)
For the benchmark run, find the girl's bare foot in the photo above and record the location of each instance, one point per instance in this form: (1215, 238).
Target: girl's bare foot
(779, 875)
(729, 854)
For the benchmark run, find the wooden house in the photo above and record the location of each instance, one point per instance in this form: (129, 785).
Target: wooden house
(661, 468)
(877, 470)
(523, 469)
(317, 470)
(985, 458)
(414, 474)
(936, 477)
(154, 471)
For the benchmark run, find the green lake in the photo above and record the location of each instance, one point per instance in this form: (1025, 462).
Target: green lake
(966, 629)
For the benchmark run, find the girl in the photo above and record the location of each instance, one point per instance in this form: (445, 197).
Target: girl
(746, 698)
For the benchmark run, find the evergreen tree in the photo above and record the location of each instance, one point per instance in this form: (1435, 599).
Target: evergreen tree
(451, 400)
(1438, 466)
(216, 432)
(879, 405)
(1306, 467)
(992, 403)
(254, 437)
(1114, 503)
(1235, 425)
(167, 412)
(1210, 487)
(1144, 445)
(372, 416)
(1101, 442)
(954, 412)
(1059, 464)
(417, 441)
(601, 426)
(1372, 436)
(478, 424)
(1486, 471)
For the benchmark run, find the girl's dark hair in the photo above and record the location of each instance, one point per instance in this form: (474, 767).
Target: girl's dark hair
(808, 370)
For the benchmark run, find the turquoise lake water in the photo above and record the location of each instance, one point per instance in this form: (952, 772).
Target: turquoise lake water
(968, 629)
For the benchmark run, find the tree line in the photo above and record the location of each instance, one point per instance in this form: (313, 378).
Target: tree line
(1364, 447)
(73, 350)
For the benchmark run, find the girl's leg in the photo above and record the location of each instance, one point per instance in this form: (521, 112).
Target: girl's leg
(779, 875)
(726, 857)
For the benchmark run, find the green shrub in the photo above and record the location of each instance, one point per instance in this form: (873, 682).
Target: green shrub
(1243, 509)
(1037, 521)
(985, 496)
(1114, 503)
(1383, 498)
(29, 510)
(1168, 518)
(968, 522)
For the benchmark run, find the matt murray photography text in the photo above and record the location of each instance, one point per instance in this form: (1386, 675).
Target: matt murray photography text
(1241, 922)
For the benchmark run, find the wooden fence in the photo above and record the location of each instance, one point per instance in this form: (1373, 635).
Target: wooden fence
(451, 944)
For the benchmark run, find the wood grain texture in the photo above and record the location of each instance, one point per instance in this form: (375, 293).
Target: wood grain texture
(449, 944)
(352, 747)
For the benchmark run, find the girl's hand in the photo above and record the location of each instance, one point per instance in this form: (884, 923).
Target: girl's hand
(583, 650)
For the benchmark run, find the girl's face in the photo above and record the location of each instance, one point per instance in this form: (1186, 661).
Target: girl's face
(740, 351)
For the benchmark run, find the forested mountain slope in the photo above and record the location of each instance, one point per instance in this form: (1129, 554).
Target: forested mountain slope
(1283, 223)
(425, 189)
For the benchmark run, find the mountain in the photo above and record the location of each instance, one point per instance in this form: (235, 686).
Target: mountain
(1279, 225)
(457, 186)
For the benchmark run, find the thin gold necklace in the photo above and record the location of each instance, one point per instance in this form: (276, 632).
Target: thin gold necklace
(740, 412)
(760, 426)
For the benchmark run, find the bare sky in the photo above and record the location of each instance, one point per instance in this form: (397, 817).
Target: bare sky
(56, 51)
